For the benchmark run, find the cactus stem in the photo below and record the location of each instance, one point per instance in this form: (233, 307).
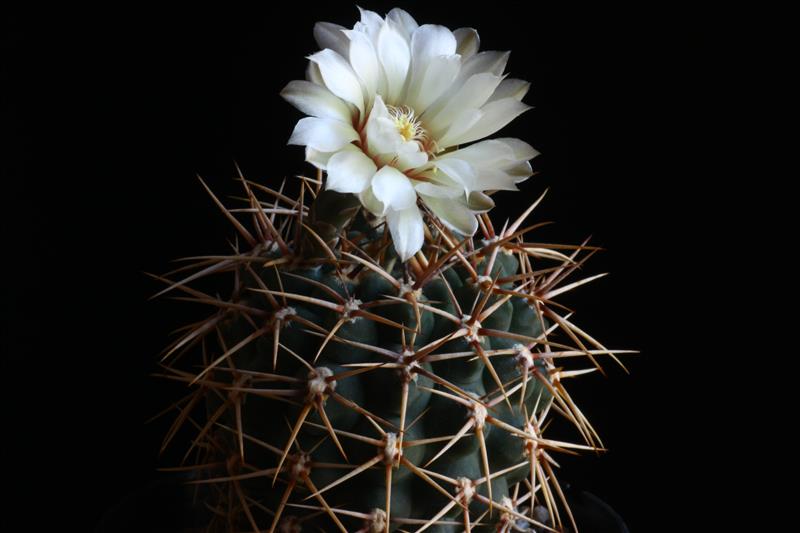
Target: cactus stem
(313, 244)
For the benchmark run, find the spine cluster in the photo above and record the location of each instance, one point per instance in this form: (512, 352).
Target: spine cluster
(336, 388)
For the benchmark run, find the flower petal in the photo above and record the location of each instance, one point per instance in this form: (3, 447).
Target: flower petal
(522, 151)
(439, 76)
(315, 100)
(467, 42)
(323, 134)
(462, 124)
(401, 76)
(339, 77)
(511, 88)
(313, 75)
(364, 60)
(428, 188)
(382, 134)
(403, 22)
(370, 23)
(489, 61)
(350, 170)
(408, 159)
(495, 115)
(495, 179)
(454, 213)
(393, 189)
(317, 158)
(520, 171)
(373, 205)
(472, 95)
(460, 171)
(406, 228)
(479, 202)
(427, 42)
(489, 153)
(499, 163)
(495, 153)
(329, 35)
(395, 56)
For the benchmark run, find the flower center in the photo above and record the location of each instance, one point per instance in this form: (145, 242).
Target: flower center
(407, 125)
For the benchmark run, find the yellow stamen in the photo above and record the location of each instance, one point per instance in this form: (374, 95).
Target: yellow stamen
(407, 125)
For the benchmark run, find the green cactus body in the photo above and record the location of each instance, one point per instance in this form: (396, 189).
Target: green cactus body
(346, 390)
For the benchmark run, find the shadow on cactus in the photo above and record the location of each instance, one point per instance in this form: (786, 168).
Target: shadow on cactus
(381, 356)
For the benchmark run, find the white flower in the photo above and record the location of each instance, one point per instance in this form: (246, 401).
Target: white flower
(391, 104)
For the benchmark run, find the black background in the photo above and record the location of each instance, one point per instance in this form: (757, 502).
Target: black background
(111, 114)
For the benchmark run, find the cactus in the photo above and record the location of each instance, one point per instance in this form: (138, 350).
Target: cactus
(345, 384)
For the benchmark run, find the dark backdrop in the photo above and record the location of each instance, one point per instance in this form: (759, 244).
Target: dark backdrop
(111, 114)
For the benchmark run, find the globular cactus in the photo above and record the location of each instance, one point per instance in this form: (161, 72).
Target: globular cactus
(347, 381)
